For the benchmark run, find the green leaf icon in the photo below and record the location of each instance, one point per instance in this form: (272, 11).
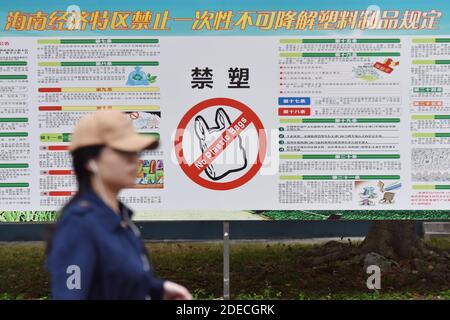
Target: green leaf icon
(151, 79)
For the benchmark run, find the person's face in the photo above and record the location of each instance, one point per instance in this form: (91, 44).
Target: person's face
(117, 169)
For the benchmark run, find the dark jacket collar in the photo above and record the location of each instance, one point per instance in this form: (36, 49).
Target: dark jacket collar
(103, 212)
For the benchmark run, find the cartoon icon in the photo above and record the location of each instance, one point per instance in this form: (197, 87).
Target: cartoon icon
(145, 120)
(388, 197)
(387, 66)
(366, 72)
(159, 171)
(137, 77)
(141, 174)
(366, 202)
(207, 135)
(390, 187)
(368, 193)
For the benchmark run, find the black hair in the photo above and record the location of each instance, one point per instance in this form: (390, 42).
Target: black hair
(80, 159)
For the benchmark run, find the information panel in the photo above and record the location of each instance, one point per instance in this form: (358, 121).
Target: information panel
(297, 107)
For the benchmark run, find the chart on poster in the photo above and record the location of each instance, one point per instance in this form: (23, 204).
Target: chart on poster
(245, 121)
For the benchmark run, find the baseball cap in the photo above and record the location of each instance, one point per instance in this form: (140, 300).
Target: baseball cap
(112, 129)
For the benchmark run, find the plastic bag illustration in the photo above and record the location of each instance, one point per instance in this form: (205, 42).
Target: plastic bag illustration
(145, 120)
(137, 77)
(207, 135)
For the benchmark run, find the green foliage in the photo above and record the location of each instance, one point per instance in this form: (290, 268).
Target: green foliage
(28, 216)
(360, 215)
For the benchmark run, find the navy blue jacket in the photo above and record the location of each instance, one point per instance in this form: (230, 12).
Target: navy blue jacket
(97, 254)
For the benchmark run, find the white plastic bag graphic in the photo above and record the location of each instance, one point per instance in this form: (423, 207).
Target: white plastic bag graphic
(207, 135)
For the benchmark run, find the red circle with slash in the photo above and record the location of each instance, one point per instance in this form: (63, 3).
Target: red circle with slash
(252, 118)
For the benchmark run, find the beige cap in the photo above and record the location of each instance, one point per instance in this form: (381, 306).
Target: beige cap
(110, 128)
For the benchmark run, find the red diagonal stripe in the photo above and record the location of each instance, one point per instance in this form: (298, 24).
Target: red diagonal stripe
(196, 170)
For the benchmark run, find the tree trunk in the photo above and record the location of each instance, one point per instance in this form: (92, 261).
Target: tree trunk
(393, 239)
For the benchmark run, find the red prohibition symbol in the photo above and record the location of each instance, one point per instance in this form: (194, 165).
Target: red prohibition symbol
(247, 116)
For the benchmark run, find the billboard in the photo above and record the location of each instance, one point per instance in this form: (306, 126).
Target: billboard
(259, 106)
